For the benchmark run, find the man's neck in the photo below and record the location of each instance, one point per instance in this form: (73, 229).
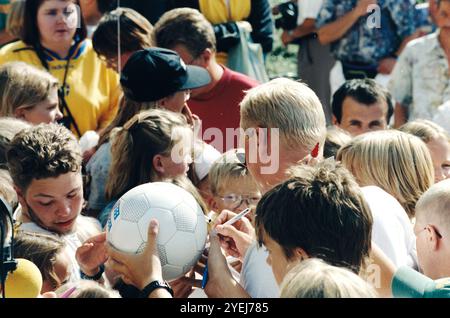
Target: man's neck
(216, 72)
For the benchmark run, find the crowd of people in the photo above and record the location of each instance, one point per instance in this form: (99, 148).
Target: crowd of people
(346, 170)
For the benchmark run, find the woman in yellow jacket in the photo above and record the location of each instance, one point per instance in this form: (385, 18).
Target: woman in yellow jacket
(54, 38)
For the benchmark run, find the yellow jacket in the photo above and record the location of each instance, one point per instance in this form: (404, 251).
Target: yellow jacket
(92, 91)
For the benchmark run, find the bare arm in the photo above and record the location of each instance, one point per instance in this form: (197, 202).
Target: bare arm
(400, 115)
(384, 267)
(307, 27)
(335, 30)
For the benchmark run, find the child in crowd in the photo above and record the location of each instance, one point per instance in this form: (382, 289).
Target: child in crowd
(48, 253)
(28, 93)
(163, 71)
(152, 146)
(135, 34)
(232, 186)
(313, 278)
(437, 141)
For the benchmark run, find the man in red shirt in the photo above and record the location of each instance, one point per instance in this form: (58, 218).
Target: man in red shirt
(187, 32)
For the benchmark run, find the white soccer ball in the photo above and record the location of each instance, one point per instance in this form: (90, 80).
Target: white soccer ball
(182, 225)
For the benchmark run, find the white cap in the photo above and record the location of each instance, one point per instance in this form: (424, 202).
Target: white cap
(205, 156)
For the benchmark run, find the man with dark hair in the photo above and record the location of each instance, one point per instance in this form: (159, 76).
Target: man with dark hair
(320, 212)
(362, 105)
(187, 32)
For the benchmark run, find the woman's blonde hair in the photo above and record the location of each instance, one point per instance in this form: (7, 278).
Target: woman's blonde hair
(133, 147)
(425, 130)
(395, 161)
(313, 278)
(23, 85)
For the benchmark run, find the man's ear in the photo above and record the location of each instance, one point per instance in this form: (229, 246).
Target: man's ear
(19, 113)
(334, 120)
(205, 58)
(433, 238)
(20, 197)
(158, 164)
(300, 254)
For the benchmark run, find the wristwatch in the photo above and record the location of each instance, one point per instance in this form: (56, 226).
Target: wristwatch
(96, 276)
(154, 285)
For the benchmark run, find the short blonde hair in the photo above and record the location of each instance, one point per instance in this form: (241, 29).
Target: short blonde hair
(434, 204)
(313, 278)
(23, 85)
(397, 162)
(290, 106)
(425, 130)
(230, 165)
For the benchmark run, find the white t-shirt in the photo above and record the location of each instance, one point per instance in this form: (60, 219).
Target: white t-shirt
(308, 9)
(392, 230)
(257, 276)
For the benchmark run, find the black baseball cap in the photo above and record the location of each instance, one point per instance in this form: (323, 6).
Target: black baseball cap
(155, 73)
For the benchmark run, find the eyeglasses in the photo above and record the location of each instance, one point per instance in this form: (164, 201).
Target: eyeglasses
(233, 201)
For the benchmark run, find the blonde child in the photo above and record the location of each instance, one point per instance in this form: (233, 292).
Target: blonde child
(313, 278)
(232, 186)
(28, 93)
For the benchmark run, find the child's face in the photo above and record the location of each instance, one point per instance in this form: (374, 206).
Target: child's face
(236, 195)
(54, 203)
(177, 162)
(45, 112)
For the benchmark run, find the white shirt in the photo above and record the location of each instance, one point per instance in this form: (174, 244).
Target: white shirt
(257, 276)
(392, 230)
(308, 9)
(420, 80)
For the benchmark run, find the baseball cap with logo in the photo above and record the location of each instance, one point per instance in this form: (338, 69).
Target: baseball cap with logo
(155, 73)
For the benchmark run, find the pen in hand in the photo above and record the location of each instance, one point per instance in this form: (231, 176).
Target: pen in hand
(231, 221)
